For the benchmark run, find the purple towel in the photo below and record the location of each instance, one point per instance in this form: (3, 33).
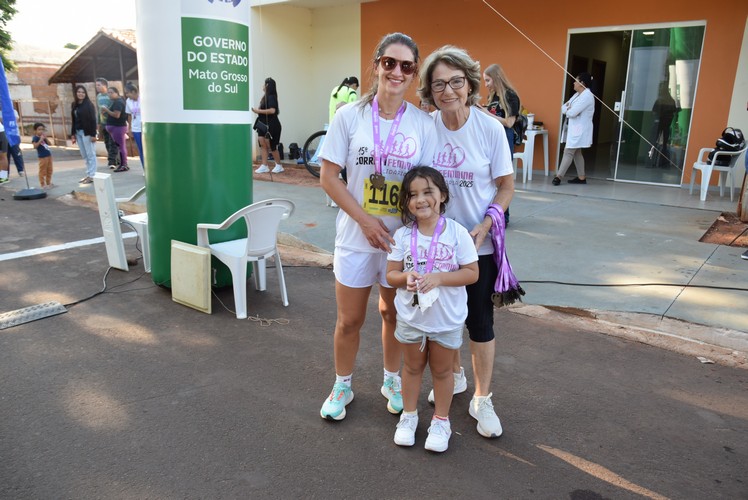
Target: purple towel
(506, 289)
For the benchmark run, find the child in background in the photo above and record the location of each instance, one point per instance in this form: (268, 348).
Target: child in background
(41, 144)
(431, 262)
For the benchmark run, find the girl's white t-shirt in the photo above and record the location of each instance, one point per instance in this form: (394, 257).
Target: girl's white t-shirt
(455, 248)
(349, 142)
(470, 159)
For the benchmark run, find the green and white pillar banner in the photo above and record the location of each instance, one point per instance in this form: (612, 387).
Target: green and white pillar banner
(193, 65)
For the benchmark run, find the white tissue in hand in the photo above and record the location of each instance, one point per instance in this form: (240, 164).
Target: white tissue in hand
(425, 300)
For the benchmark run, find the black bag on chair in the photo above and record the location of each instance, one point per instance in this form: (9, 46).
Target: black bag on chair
(731, 140)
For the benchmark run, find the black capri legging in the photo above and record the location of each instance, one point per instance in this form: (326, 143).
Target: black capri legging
(479, 320)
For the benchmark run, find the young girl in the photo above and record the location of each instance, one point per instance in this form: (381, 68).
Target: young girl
(431, 262)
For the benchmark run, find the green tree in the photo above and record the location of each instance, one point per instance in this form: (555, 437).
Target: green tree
(7, 8)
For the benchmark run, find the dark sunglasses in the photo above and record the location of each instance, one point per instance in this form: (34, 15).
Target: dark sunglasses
(390, 63)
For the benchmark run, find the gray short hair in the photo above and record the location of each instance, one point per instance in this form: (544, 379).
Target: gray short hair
(455, 58)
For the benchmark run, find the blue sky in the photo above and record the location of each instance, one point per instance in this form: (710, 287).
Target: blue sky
(53, 23)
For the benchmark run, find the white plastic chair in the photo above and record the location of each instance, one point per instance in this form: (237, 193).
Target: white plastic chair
(520, 156)
(706, 168)
(139, 222)
(262, 219)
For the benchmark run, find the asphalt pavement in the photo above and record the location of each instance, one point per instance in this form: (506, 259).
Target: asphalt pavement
(130, 395)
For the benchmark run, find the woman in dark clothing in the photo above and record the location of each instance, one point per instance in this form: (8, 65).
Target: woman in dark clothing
(116, 125)
(83, 130)
(268, 121)
(503, 103)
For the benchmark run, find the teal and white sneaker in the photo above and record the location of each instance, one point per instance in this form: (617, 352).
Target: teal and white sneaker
(392, 390)
(334, 407)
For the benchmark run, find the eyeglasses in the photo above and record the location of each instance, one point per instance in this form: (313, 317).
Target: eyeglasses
(455, 83)
(390, 63)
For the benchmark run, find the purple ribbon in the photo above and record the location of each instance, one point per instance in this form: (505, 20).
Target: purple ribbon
(431, 255)
(506, 289)
(379, 149)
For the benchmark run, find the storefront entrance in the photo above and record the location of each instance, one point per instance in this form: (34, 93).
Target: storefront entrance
(647, 77)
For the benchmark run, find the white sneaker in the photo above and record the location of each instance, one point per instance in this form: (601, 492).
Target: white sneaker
(263, 169)
(439, 434)
(460, 385)
(481, 409)
(405, 435)
(278, 169)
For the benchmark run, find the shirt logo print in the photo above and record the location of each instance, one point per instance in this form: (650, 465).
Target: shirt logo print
(449, 157)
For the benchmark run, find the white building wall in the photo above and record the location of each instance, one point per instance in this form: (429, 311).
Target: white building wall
(307, 52)
(738, 116)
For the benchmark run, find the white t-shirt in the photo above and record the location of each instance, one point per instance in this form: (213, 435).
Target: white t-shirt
(455, 248)
(349, 142)
(133, 108)
(470, 159)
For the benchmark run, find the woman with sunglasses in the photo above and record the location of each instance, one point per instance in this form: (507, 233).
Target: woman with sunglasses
(378, 140)
(474, 156)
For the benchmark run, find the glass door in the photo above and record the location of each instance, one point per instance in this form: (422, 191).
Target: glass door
(656, 104)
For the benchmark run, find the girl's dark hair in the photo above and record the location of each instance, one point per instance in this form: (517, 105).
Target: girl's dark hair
(586, 79)
(115, 89)
(387, 40)
(347, 82)
(76, 103)
(428, 173)
(271, 90)
(130, 87)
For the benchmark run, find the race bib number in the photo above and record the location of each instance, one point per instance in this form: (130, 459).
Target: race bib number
(381, 202)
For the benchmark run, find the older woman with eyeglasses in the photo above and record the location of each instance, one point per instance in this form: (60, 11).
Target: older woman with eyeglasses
(474, 156)
(378, 139)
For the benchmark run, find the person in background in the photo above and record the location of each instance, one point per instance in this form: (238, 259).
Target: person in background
(503, 104)
(41, 144)
(431, 333)
(4, 165)
(134, 121)
(83, 131)
(103, 101)
(14, 152)
(379, 138)
(343, 94)
(116, 125)
(577, 130)
(471, 145)
(269, 140)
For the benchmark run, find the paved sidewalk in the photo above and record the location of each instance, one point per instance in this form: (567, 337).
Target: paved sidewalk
(599, 235)
(129, 395)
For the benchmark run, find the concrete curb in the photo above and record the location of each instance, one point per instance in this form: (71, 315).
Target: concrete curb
(720, 345)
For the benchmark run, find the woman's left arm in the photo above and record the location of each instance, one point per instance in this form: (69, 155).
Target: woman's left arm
(503, 196)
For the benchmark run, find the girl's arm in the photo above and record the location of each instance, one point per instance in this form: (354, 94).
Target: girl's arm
(466, 275)
(399, 279)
